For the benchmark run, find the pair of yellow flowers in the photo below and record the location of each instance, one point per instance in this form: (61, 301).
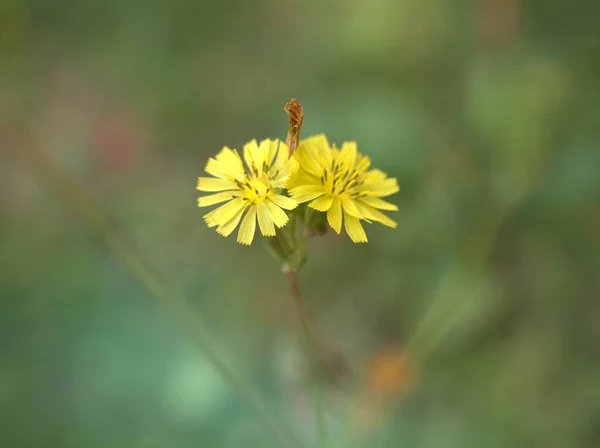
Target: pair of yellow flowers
(336, 181)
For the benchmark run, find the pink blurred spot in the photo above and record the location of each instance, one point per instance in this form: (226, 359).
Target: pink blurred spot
(119, 139)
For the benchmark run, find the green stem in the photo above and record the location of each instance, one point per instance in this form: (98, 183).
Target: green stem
(320, 411)
(315, 351)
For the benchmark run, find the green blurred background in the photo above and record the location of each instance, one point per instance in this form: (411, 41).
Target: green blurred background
(488, 113)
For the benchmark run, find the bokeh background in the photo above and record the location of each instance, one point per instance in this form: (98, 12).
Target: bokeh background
(488, 114)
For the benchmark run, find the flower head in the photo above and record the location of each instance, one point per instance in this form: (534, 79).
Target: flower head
(339, 182)
(252, 191)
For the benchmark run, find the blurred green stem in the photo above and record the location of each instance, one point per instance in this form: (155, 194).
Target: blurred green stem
(315, 350)
(83, 205)
(451, 302)
(320, 410)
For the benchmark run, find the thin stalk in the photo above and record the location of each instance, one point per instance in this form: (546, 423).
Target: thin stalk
(84, 207)
(299, 307)
(451, 302)
(315, 351)
(320, 410)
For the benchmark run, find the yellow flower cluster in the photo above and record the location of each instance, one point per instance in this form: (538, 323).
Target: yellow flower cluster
(336, 181)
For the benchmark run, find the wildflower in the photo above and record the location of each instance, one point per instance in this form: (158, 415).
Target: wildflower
(254, 190)
(339, 182)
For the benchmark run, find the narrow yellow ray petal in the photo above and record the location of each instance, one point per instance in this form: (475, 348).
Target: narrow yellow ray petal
(283, 162)
(319, 148)
(301, 177)
(224, 213)
(348, 155)
(350, 208)
(227, 163)
(214, 184)
(305, 193)
(322, 204)
(354, 229)
(265, 222)
(307, 161)
(381, 188)
(271, 152)
(209, 220)
(213, 199)
(305, 197)
(284, 202)
(229, 226)
(254, 156)
(248, 227)
(263, 150)
(249, 151)
(378, 203)
(334, 216)
(279, 217)
(373, 214)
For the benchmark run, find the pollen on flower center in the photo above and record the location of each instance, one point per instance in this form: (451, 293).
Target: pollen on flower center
(344, 180)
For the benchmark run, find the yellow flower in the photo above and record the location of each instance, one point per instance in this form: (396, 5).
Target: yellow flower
(340, 183)
(254, 189)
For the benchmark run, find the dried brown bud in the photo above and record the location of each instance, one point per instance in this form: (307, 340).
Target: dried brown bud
(295, 115)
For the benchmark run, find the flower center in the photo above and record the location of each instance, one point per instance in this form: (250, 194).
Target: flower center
(255, 190)
(341, 180)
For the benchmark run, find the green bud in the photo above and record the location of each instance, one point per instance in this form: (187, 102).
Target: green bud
(281, 246)
(316, 221)
(287, 246)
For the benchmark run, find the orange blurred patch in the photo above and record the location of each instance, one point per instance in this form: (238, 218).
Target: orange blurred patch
(390, 374)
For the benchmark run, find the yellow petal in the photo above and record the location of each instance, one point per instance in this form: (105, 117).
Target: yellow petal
(264, 147)
(379, 187)
(308, 162)
(373, 214)
(283, 163)
(378, 203)
(224, 213)
(226, 164)
(229, 226)
(305, 193)
(354, 229)
(213, 167)
(284, 202)
(334, 216)
(279, 182)
(335, 152)
(321, 204)
(273, 146)
(208, 218)
(248, 151)
(362, 163)
(248, 227)
(350, 208)
(279, 217)
(265, 222)
(213, 199)
(214, 184)
(300, 177)
(305, 197)
(348, 155)
(319, 148)
(254, 155)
